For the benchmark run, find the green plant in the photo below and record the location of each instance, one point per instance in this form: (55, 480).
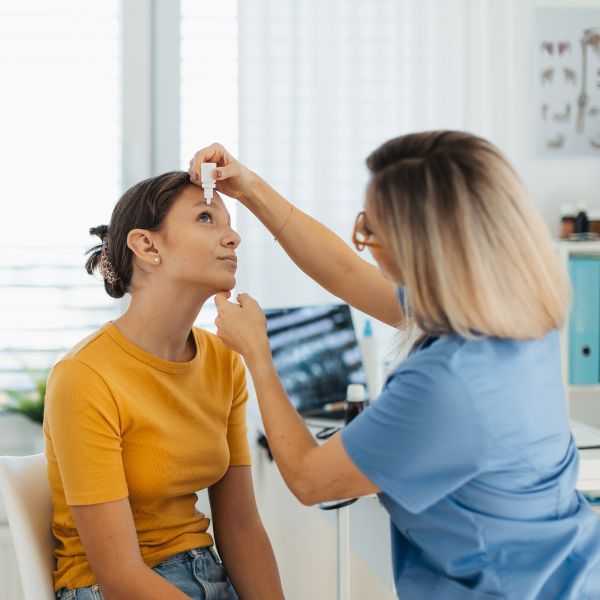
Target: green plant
(30, 403)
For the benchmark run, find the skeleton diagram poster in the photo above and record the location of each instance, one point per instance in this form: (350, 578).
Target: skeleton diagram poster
(567, 81)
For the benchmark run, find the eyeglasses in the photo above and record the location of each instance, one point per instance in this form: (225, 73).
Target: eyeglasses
(361, 234)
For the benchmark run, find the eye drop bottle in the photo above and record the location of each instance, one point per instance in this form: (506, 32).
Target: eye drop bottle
(206, 178)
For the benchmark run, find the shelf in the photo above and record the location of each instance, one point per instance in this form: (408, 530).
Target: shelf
(567, 249)
(588, 247)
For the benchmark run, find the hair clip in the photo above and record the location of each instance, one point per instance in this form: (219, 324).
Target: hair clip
(108, 272)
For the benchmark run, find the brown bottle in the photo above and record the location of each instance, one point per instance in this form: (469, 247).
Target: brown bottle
(356, 400)
(567, 221)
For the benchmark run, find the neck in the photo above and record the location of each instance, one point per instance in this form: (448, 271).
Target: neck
(160, 321)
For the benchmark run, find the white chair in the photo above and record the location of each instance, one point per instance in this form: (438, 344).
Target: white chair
(25, 492)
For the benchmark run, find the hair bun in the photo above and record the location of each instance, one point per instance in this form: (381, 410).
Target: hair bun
(100, 231)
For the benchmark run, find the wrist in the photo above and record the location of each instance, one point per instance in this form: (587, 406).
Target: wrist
(253, 195)
(259, 357)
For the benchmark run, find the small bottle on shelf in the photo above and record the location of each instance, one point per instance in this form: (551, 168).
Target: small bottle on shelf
(594, 221)
(567, 221)
(581, 220)
(356, 400)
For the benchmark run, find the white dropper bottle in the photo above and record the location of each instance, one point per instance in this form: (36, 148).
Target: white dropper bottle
(206, 178)
(368, 346)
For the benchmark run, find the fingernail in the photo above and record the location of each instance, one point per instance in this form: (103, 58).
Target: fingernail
(218, 173)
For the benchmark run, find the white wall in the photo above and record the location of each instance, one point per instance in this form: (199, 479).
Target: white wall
(491, 39)
(483, 53)
(500, 99)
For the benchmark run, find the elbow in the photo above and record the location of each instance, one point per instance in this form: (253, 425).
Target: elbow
(305, 493)
(307, 500)
(302, 482)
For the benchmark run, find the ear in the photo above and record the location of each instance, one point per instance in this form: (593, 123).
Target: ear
(140, 242)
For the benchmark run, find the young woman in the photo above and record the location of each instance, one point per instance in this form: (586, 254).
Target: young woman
(468, 445)
(149, 410)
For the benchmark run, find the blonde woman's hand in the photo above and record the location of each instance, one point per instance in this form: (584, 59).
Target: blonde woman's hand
(242, 326)
(233, 178)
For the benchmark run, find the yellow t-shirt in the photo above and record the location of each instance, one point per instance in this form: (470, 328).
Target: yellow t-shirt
(120, 422)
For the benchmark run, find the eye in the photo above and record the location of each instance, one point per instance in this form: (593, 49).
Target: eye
(206, 217)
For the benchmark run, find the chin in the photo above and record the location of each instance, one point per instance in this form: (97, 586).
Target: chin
(227, 285)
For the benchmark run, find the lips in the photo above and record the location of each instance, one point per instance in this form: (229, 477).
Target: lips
(232, 259)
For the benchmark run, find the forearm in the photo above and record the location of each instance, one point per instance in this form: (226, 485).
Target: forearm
(323, 255)
(140, 583)
(249, 560)
(303, 238)
(289, 439)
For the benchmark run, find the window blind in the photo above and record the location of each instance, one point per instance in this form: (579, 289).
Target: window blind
(60, 158)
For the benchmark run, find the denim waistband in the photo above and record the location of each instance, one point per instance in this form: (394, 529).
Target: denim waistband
(192, 553)
(206, 553)
(196, 551)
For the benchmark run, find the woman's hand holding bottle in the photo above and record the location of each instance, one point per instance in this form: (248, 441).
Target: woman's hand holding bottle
(233, 178)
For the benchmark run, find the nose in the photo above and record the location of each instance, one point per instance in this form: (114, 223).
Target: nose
(231, 239)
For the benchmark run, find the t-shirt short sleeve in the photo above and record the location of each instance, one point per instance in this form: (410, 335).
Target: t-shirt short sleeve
(422, 438)
(237, 428)
(83, 423)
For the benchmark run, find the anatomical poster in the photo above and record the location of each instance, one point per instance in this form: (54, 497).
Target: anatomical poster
(566, 77)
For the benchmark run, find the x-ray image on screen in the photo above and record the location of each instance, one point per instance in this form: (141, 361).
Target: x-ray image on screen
(316, 353)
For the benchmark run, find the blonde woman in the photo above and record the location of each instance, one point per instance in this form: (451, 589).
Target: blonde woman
(469, 445)
(149, 410)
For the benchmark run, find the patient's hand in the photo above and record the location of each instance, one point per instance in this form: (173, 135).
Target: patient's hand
(233, 178)
(243, 326)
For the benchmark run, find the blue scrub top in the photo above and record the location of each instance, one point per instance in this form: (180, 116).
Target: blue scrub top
(470, 444)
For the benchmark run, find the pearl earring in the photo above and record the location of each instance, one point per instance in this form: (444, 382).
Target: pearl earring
(157, 259)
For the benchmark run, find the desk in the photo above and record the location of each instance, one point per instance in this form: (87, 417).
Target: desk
(589, 471)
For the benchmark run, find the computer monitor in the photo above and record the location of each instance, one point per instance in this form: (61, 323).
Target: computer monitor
(316, 354)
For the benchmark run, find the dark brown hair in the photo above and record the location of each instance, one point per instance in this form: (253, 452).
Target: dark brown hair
(143, 206)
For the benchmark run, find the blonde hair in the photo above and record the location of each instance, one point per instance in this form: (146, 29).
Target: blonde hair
(473, 251)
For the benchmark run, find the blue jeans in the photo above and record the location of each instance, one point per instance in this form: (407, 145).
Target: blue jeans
(197, 573)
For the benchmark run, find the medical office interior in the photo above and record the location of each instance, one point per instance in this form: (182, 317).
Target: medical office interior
(100, 94)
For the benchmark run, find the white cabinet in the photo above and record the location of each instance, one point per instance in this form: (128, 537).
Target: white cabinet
(304, 540)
